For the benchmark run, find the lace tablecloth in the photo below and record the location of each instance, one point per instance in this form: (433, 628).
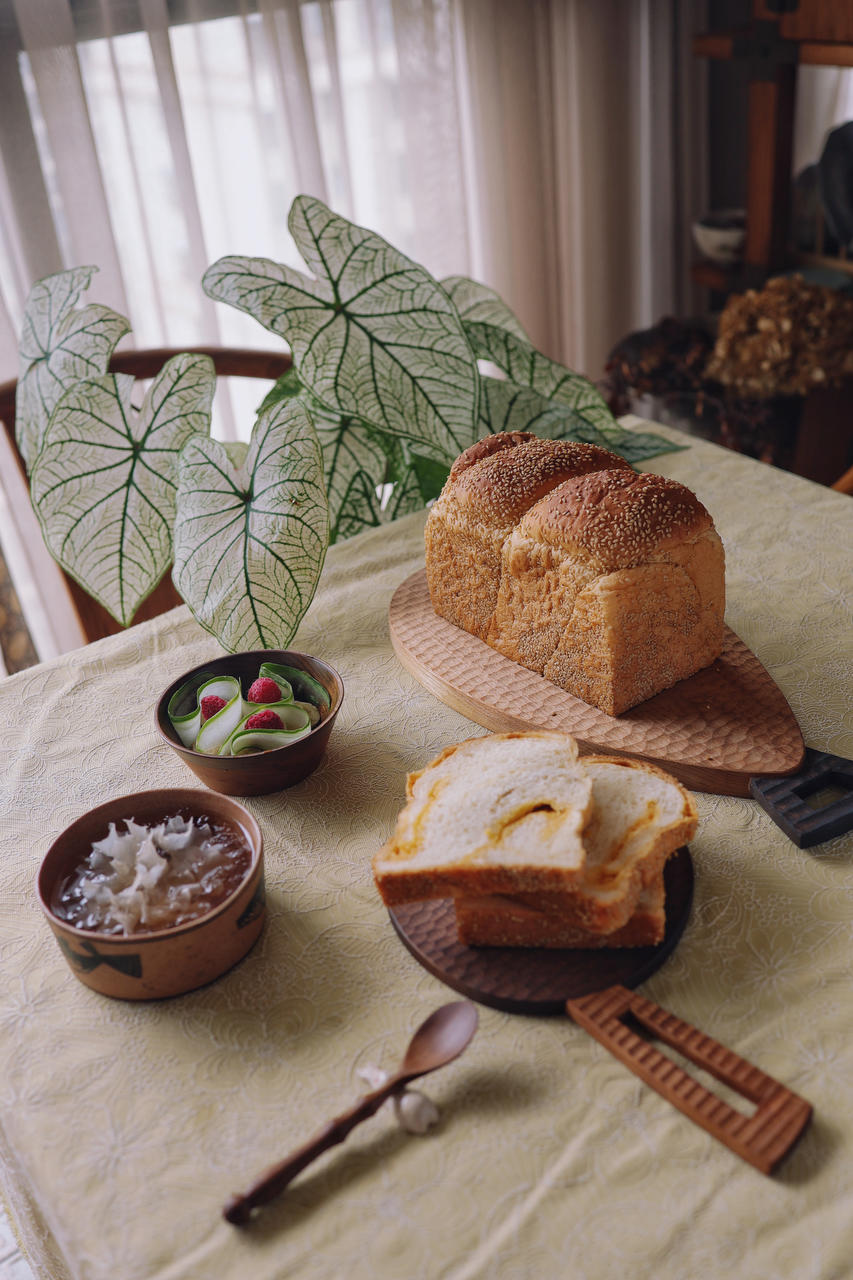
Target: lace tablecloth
(125, 1126)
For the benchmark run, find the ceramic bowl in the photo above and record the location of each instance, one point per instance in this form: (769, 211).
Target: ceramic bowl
(262, 772)
(168, 962)
(720, 236)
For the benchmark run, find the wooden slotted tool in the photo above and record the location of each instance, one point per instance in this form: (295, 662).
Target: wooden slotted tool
(763, 1138)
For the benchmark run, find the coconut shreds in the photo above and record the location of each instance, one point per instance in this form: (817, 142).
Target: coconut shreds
(153, 877)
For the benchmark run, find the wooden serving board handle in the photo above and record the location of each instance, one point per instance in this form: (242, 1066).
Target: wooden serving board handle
(763, 1138)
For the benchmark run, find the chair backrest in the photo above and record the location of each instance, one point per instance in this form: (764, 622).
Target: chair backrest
(844, 484)
(228, 362)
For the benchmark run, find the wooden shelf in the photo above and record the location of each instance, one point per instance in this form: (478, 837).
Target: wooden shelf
(723, 45)
(713, 44)
(826, 55)
(772, 47)
(713, 276)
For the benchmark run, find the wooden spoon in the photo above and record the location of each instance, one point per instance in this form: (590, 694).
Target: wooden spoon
(437, 1041)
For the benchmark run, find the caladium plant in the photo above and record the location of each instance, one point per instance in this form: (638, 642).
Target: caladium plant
(373, 335)
(386, 389)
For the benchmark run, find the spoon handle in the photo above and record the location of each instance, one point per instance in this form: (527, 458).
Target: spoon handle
(275, 1179)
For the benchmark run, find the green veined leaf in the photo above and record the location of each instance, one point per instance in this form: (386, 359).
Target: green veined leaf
(430, 476)
(250, 542)
(478, 303)
(104, 484)
(373, 335)
(524, 365)
(60, 344)
(284, 388)
(354, 467)
(354, 462)
(507, 407)
(415, 480)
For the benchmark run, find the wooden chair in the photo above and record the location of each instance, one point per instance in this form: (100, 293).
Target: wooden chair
(228, 362)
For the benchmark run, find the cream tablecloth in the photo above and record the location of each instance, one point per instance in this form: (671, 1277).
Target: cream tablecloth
(125, 1127)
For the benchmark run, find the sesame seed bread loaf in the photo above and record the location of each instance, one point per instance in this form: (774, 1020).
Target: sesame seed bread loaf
(533, 857)
(489, 488)
(610, 584)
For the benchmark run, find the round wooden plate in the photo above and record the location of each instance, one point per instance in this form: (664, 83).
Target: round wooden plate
(541, 980)
(714, 731)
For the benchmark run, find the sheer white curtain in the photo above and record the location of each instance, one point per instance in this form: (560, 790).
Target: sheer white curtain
(162, 135)
(590, 157)
(552, 148)
(824, 99)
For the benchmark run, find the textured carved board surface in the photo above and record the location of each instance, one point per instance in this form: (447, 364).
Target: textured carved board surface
(537, 980)
(713, 731)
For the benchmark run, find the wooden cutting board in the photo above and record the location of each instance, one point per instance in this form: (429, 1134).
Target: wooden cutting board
(713, 732)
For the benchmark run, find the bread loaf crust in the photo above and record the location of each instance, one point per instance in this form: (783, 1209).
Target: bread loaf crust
(490, 487)
(609, 584)
(616, 519)
(496, 921)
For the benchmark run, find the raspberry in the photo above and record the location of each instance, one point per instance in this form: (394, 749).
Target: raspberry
(264, 720)
(264, 690)
(210, 705)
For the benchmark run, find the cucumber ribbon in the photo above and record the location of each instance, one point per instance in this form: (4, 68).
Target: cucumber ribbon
(225, 732)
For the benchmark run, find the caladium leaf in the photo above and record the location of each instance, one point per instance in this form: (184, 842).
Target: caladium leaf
(405, 497)
(60, 344)
(354, 461)
(354, 466)
(250, 540)
(477, 303)
(416, 481)
(284, 388)
(373, 335)
(504, 406)
(104, 483)
(527, 367)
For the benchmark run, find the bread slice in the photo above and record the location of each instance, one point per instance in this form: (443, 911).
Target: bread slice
(640, 816)
(494, 920)
(499, 814)
(577, 846)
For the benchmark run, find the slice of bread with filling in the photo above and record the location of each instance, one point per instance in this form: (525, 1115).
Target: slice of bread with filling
(516, 823)
(500, 814)
(640, 815)
(495, 920)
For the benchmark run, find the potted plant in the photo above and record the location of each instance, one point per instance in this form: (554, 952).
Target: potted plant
(385, 391)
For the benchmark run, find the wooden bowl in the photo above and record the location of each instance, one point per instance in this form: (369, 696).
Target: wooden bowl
(265, 771)
(167, 962)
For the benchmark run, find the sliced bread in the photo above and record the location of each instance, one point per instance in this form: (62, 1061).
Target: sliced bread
(578, 846)
(499, 814)
(494, 920)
